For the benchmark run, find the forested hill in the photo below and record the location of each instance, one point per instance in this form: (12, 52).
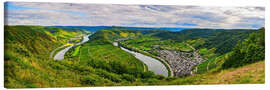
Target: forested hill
(221, 39)
(115, 34)
(250, 50)
(198, 33)
(99, 63)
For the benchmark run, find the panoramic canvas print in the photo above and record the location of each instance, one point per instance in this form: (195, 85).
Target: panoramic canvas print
(86, 45)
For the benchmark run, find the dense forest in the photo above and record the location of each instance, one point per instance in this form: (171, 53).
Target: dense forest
(250, 50)
(225, 54)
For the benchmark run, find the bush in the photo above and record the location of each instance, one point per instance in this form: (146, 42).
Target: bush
(160, 77)
(89, 80)
(129, 77)
(111, 76)
(148, 74)
(29, 85)
(151, 80)
(170, 78)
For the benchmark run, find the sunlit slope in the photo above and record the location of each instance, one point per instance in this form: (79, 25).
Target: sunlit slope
(99, 63)
(222, 50)
(27, 64)
(110, 63)
(27, 49)
(249, 74)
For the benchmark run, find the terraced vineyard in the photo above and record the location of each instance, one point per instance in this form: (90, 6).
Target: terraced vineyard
(194, 56)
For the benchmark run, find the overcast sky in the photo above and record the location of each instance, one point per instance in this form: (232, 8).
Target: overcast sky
(67, 14)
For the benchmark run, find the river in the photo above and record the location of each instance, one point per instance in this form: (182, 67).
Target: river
(153, 64)
(61, 54)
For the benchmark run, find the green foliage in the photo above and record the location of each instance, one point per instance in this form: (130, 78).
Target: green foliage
(252, 73)
(90, 80)
(222, 40)
(151, 81)
(212, 64)
(95, 63)
(27, 50)
(248, 51)
(147, 74)
(187, 34)
(207, 53)
(76, 52)
(128, 77)
(146, 43)
(225, 41)
(196, 42)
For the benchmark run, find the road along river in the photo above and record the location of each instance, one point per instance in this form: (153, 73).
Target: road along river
(60, 55)
(153, 64)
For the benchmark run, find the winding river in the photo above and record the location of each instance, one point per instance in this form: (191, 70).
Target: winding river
(153, 64)
(60, 55)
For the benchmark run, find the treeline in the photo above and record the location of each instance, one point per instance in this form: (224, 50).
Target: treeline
(224, 41)
(221, 39)
(187, 34)
(247, 51)
(106, 36)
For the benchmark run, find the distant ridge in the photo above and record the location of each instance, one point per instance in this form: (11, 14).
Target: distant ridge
(96, 28)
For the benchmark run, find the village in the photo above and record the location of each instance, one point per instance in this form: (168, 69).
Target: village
(182, 63)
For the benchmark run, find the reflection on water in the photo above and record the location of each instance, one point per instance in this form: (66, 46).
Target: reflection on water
(153, 65)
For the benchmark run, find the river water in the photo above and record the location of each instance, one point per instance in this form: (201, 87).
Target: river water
(153, 64)
(60, 55)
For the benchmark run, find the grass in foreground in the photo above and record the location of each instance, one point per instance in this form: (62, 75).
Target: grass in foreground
(250, 74)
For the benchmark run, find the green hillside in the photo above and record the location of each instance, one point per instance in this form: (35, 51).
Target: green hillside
(27, 50)
(248, 51)
(27, 62)
(99, 63)
(248, 74)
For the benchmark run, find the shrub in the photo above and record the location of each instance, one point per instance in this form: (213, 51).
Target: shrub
(160, 77)
(148, 74)
(89, 80)
(129, 77)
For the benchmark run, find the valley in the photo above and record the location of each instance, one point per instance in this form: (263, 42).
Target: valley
(153, 65)
(71, 45)
(60, 55)
(130, 57)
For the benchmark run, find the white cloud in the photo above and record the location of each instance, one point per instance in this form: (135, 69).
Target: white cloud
(136, 15)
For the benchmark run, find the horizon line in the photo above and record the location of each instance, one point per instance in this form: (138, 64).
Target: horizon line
(133, 26)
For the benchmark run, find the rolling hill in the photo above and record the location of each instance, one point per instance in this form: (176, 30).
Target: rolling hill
(99, 63)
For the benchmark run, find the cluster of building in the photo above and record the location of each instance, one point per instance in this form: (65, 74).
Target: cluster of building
(182, 63)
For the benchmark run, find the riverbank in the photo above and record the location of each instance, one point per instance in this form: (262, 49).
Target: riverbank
(61, 54)
(168, 68)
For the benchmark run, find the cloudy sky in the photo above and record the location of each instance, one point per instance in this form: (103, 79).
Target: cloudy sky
(67, 14)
